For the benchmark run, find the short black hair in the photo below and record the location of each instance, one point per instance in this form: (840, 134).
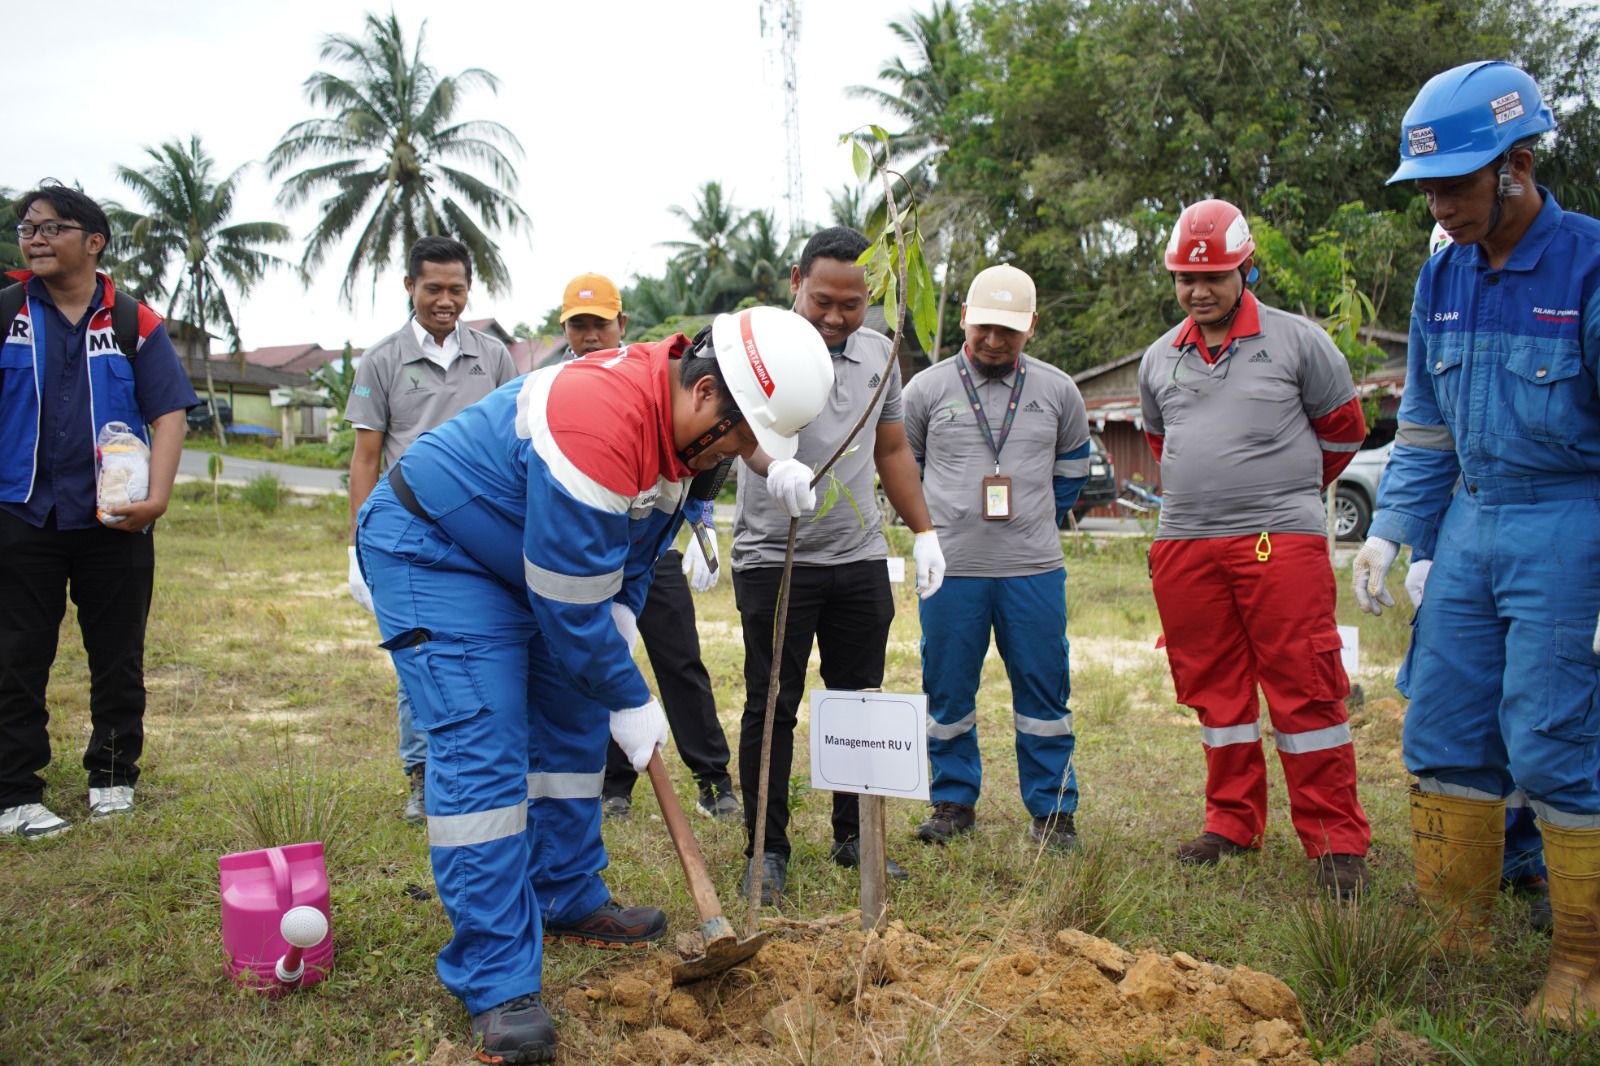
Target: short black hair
(701, 361)
(70, 206)
(438, 250)
(835, 242)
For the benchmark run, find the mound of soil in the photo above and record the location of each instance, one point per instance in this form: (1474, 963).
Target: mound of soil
(828, 993)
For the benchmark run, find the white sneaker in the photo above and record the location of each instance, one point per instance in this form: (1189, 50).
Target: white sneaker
(30, 820)
(116, 799)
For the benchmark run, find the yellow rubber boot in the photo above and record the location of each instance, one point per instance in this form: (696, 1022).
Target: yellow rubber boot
(1458, 846)
(1572, 987)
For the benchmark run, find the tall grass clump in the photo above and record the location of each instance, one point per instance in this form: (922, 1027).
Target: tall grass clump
(1350, 958)
(1086, 890)
(264, 493)
(289, 803)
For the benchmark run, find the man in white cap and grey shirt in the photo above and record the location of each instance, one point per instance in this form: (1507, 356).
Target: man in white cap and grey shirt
(1003, 440)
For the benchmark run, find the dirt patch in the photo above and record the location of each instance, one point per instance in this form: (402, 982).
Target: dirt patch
(833, 994)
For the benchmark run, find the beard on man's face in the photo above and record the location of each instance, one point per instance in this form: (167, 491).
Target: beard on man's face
(990, 370)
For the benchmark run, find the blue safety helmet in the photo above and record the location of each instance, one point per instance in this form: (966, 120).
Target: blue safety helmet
(1467, 118)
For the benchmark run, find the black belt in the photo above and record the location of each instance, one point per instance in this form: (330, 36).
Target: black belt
(403, 493)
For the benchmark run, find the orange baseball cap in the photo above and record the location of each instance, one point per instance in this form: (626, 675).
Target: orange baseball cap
(591, 294)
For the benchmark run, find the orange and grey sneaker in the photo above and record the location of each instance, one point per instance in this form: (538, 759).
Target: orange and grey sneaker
(518, 1030)
(611, 925)
(1207, 848)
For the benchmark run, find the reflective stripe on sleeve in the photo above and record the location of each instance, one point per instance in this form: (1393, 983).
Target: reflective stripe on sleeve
(1339, 445)
(1221, 737)
(567, 588)
(1334, 736)
(1071, 468)
(938, 731)
(1042, 727)
(1438, 438)
(566, 786)
(479, 827)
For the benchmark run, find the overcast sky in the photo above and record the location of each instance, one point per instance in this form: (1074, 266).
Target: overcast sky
(623, 108)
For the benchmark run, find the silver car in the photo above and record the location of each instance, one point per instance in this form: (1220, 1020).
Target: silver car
(1358, 492)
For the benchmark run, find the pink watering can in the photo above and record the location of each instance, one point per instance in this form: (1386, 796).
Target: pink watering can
(275, 917)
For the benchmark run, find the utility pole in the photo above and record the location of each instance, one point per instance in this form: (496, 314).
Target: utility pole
(780, 24)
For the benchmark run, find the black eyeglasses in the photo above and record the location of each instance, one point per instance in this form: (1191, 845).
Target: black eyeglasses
(51, 229)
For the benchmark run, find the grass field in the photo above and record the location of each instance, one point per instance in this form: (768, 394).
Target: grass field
(271, 714)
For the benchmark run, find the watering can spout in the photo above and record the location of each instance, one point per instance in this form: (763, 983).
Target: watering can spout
(275, 916)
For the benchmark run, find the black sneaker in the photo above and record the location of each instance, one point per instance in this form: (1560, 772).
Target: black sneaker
(847, 853)
(416, 811)
(948, 819)
(611, 925)
(1055, 831)
(518, 1030)
(774, 874)
(615, 807)
(718, 803)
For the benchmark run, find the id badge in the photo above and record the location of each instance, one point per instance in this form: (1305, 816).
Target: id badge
(997, 498)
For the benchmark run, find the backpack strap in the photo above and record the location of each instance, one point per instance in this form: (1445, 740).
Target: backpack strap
(124, 316)
(124, 323)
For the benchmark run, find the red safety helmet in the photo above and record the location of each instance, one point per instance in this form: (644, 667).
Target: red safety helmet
(1210, 237)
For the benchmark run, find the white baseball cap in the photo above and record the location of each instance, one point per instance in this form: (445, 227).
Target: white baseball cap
(1001, 296)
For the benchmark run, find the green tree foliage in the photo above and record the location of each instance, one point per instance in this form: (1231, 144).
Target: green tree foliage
(1078, 130)
(186, 242)
(390, 158)
(10, 250)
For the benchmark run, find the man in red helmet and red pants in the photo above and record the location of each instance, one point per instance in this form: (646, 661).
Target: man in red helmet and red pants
(1252, 412)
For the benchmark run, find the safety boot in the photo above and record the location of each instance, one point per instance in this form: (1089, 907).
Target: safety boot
(1572, 987)
(1458, 845)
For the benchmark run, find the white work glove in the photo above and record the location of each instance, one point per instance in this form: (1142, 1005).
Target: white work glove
(1597, 636)
(626, 624)
(1416, 578)
(696, 567)
(639, 732)
(1371, 567)
(930, 563)
(789, 482)
(358, 584)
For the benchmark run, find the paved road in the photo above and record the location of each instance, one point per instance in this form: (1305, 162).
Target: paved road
(308, 480)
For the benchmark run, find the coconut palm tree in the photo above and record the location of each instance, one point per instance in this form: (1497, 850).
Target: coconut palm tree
(919, 95)
(707, 260)
(391, 155)
(187, 227)
(761, 260)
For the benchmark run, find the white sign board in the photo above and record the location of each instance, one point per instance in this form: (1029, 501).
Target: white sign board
(1350, 648)
(870, 742)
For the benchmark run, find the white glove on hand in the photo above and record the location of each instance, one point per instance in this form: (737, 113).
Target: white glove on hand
(639, 732)
(696, 567)
(1371, 568)
(626, 624)
(358, 584)
(1416, 577)
(789, 482)
(930, 563)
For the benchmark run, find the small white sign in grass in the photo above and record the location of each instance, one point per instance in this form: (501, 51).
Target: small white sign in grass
(874, 743)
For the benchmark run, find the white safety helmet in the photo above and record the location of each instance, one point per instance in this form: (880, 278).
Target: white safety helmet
(778, 370)
(1437, 240)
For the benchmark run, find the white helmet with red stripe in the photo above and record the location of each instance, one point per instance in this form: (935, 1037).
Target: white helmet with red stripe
(778, 370)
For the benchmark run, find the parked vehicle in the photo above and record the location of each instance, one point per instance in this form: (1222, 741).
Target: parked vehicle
(1101, 488)
(199, 418)
(1358, 492)
(1138, 499)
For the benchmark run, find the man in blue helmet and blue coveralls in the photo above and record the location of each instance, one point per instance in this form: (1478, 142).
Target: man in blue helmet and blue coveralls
(1504, 668)
(509, 552)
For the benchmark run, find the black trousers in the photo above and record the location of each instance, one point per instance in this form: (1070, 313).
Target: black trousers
(110, 575)
(847, 609)
(666, 628)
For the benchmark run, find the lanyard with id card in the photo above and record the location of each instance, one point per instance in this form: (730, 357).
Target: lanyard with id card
(996, 487)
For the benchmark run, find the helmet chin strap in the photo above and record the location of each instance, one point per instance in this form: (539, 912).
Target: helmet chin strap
(1504, 189)
(722, 427)
(1245, 277)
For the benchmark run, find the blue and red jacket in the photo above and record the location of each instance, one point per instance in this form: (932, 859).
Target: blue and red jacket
(113, 393)
(566, 483)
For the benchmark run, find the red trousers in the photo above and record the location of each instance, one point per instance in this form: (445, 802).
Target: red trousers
(1233, 622)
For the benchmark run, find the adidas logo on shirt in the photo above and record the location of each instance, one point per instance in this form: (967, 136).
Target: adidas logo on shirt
(1261, 357)
(876, 378)
(1033, 405)
(476, 369)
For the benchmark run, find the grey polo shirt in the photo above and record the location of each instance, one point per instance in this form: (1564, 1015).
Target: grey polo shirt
(402, 393)
(761, 525)
(1239, 454)
(944, 433)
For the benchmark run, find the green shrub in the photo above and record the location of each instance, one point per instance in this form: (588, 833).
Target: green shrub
(265, 494)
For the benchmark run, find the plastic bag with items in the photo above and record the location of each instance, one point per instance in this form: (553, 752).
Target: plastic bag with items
(122, 474)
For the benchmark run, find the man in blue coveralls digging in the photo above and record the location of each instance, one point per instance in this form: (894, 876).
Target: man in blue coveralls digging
(509, 552)
(1504, 668)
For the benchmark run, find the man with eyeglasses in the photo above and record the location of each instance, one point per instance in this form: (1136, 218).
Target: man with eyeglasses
(63, 377)
(1251, 412)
